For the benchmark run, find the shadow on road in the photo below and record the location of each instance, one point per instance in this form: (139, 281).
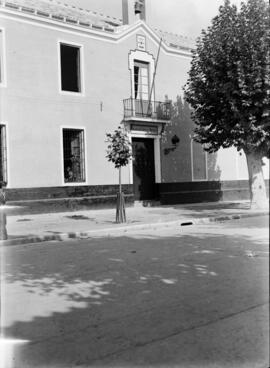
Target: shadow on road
(93, 300)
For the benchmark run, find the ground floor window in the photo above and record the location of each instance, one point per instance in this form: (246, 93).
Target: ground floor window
(3, 154)
(74, 155)
(199, 161)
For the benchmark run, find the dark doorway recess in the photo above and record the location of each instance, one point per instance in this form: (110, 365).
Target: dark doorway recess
(143, 169)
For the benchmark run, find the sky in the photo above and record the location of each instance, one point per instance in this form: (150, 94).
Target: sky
(185, 17)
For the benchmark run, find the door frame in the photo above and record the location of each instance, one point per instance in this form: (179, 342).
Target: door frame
(5, 152)
(157, 157)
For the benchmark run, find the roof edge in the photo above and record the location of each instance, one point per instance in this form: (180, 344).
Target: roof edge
(114, 33)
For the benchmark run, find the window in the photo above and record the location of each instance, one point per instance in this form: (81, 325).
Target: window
(199, 161)
(141, 89)
(70, 68)
(73, 150)
(141, 65)
(141, 80)
(1, 56)
(3, 154)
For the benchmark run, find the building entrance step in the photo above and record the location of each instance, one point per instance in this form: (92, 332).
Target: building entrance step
(146, 203)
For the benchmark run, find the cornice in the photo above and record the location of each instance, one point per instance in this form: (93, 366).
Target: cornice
(69, 25)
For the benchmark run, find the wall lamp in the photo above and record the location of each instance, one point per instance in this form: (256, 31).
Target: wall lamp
(175, 141)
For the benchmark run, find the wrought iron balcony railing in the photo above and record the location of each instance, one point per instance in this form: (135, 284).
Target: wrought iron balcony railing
(155, 110)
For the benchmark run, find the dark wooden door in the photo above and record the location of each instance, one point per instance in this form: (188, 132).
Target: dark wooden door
(143, 168)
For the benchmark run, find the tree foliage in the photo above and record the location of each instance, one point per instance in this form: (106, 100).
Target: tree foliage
(229, 80)
(119, 148)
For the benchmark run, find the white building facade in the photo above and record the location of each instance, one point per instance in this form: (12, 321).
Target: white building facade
(69, 76)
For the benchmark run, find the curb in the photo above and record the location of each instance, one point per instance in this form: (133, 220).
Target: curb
(124, 229)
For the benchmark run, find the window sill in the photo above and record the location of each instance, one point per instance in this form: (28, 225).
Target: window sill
(69, 93)
(194, 180)
(72, 184)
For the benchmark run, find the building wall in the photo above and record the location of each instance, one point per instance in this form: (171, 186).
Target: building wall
(179, 163)
(35, 110)
(39, 110)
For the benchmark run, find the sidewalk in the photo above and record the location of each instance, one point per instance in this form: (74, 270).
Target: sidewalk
(32, 228)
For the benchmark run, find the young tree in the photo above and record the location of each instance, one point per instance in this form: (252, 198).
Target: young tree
(119, 152)
(229, 87)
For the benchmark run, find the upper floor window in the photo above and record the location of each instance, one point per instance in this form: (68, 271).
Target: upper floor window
(70, 68)
(141, 80)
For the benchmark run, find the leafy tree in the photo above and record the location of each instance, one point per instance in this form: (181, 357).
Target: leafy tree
(119, 153)
(229, 87)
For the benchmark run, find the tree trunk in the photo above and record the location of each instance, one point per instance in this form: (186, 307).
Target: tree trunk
(258, 197)
(120, 182)
(3, 218)
(120, 203)
(3, 225)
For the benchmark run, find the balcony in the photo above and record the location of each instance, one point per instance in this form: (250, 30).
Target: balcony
(135, 109)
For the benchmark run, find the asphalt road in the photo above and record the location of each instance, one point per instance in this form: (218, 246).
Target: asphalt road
(196, 296)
